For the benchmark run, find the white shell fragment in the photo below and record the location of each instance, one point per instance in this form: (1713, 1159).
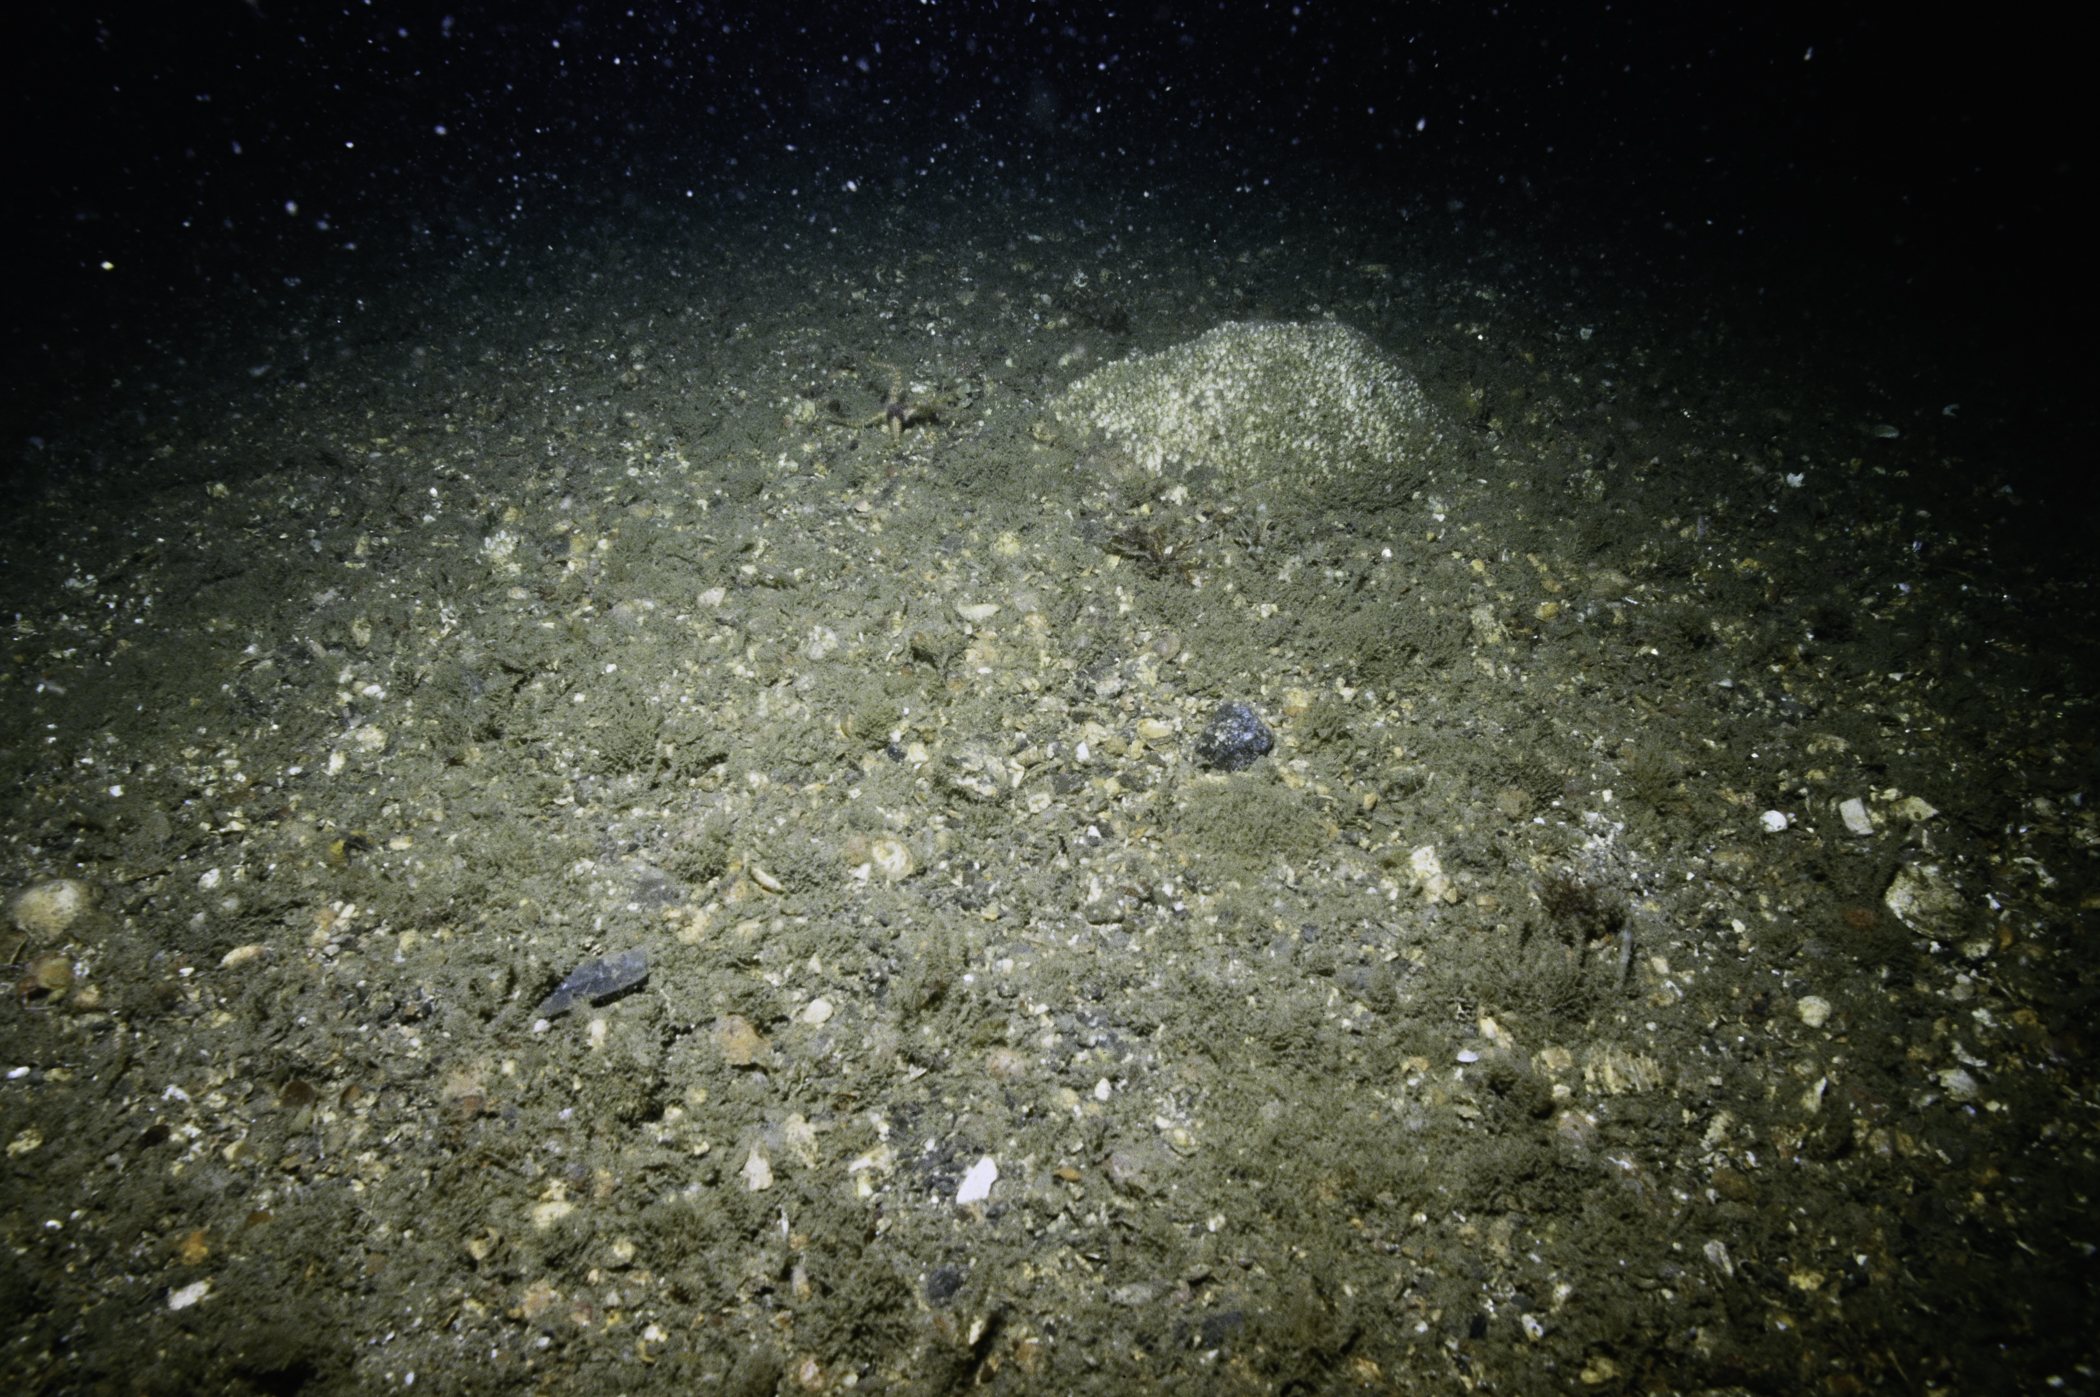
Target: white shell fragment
(891, 860)
(800, 1137)
(1813, 1010)
(1854, 813)
(1774, 821)
(44, 911)
(1925, 899)
(977, 1184)
(189, 1295)
(500, 551)
(1429, 875)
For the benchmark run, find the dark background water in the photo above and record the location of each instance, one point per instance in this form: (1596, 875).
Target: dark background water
(1846, 163)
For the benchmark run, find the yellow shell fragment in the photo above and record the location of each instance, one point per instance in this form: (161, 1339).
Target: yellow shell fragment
(891, 859)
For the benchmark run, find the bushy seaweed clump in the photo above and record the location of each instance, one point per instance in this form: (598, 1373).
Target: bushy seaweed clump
(1578, 908)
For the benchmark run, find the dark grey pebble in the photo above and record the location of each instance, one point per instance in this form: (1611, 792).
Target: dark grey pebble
(595, 979)
(1234, 738)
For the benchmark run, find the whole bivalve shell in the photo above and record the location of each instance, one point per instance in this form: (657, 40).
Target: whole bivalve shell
(46, 911)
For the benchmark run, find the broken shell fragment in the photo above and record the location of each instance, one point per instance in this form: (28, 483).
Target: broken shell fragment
(742, 1045)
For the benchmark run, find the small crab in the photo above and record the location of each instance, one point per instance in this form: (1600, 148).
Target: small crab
(899, 412)
(1155, 549)
(44, 981)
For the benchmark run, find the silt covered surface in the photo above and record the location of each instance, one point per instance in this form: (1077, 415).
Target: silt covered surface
(1530, 1016)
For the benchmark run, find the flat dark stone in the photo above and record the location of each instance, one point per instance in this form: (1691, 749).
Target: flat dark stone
(595, 979)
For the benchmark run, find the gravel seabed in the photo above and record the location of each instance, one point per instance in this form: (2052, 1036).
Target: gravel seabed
(1531, 1017)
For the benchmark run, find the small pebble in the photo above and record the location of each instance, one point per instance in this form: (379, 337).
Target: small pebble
(1234, 738)
(595, 979)
(741, 1044)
